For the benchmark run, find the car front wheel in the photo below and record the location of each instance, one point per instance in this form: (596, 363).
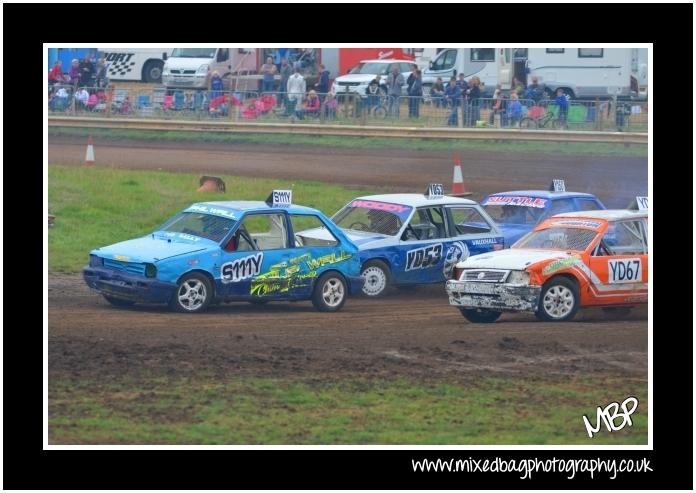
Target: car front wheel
(193, 294)
(329, 292)
(480, 316)
(559, 300)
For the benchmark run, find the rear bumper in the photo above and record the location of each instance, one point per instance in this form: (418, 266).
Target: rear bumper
(355, 285)
(493, 296)
(127, 286)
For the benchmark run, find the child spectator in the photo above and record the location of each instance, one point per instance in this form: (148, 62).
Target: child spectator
(331, 104)
(81, 98)
(125, 106)
(374, 93)
(517, 86)
(562, 103)
(514, 109)
(497, 108)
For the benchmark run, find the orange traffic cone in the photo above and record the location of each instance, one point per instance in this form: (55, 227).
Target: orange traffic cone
(89, 155)
(458, 179)
(211, 184)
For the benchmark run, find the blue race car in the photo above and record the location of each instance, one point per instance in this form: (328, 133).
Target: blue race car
(407, 239)
(231, 251)
(518, 212)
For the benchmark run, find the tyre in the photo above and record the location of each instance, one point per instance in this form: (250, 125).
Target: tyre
(380, 112)
(330, 292)
(118, 301)
(559, 300)
(152, 72)
(193, 294)
(377, 278)
(480, 316)
(527, 122)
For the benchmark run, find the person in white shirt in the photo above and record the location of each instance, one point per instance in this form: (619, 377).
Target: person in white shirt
(297, 86)
(82, 96)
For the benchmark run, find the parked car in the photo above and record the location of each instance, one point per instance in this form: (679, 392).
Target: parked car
(360, 76)
(569, 261)
(517, 212)
(407, 239)
(230, 251)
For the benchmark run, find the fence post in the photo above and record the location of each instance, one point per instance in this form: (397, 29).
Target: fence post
(598, 115)
(322, 109)
(109, 99)
(460, 123)
(364, 110)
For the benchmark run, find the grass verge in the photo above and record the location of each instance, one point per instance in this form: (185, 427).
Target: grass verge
(100, 206)
(569, 148)
(280, 411)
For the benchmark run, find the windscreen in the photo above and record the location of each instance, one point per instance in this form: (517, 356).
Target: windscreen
(557, 239)
(370, 68)
(194, 52)
(372, 217)
(202, 225)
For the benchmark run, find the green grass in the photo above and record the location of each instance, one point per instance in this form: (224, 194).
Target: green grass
(277, 411)
(100, 206)
(554, 148)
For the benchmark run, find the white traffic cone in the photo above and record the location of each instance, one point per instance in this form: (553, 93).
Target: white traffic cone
(89, 155)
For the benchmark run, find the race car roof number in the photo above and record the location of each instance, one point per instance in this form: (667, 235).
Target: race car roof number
(643, 204)
(435, 191)
(557, 186)
(280, 198)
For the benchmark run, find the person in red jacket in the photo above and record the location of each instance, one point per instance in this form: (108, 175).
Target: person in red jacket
(56, 74)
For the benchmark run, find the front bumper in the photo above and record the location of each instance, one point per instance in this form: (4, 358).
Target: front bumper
(355, 285)
(191, 81)
(127, 286)
(493, 296)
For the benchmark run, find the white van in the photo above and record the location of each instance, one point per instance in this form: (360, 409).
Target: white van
(192, 67)
(450, 62)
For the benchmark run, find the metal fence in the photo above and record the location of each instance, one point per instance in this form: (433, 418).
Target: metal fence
(349, 108)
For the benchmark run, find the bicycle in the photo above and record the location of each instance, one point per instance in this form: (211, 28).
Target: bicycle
(538, 117)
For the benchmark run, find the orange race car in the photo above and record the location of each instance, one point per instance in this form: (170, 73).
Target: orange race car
(572, 260)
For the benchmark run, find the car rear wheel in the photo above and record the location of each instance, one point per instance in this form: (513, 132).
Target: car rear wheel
(330, 292)
(480, 316)
(193, 294)
(527, 122)
(559, 301)
(377, 278)
(118, 301)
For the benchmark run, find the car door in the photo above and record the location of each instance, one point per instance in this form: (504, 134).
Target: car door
(255, 249)
(619, 264)
(422, 247)
(472, 232)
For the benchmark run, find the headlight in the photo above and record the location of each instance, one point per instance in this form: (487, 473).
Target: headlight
(150, 270)
(203, 69)
(518, 277)
(95, 261)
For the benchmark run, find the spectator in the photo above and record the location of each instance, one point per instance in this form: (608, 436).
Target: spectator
(87, 71)
(416, 91)
(268, 70)
(462, 83)
(514, 109)
(437, 92)
(323, 84)
(285, 73)
(497, 108)
(374, 92)
(125, 106)
(81, 98)
(535, 91)
(60, 99)
(562, 103)
(517, 86)
(75, 72)
(296, 89)
(101, 76)
(216, 86)
(473, 103)
(55, 76)
(394, 83)
(331, 105)
(312, 106)
(453, 93)
(92, 101)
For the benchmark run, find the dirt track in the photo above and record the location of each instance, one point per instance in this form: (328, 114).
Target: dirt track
(412, 333)
(615, 180)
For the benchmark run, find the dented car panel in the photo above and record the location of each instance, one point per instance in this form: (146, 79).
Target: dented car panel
(605, 253)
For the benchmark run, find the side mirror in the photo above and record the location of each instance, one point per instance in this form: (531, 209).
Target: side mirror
(164, 56)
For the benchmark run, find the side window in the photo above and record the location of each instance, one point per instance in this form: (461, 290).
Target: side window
(587, 204)
(445, 61)
(482, 54)
(223, 54)
(625, 238)
(262, 232)
(468, 220)
(559, 206)
(405, 68)
(590, 52)
(428, 223)
(311, 231)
